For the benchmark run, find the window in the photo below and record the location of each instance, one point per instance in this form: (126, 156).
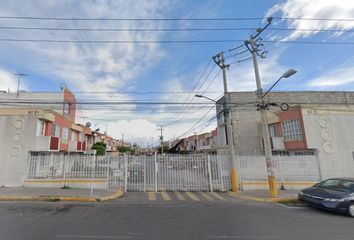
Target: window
(55, 130)
(273, 130)
(74, 136)
(81, 137)
(65, 134)
(40, 128)
(67, 107)
(292, 130)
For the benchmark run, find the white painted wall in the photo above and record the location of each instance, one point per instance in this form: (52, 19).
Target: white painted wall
(332, 134)
(16, 134)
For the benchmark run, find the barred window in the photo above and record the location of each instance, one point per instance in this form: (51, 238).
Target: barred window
(65, 134)
(55, 130)
(292, 129)
(40, 128)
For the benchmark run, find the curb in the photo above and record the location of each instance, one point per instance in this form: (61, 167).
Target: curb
(258, 199)
(117, 194)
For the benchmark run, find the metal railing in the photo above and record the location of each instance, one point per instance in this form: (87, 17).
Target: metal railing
(197, 172)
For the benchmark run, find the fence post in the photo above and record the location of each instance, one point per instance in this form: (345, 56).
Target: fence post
(209, 172)
(94, 169)
(64, 166)
(319, 166)
(107, 158)
(144, 173)
(220, 166)
(125, 171)
(280, 168)
(156, 171)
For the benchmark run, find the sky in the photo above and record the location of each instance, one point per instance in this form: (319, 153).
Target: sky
(162, 71)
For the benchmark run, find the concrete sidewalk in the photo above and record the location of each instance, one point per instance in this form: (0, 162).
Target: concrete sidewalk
(263, 195)
(55, 194)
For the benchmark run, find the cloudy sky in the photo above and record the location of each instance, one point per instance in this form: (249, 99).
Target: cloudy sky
(101, 57)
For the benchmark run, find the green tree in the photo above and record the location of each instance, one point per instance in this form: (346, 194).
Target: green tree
(124, 149)
(100, 148)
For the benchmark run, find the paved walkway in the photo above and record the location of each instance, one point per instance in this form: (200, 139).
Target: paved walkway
(265, 193)
(21, 191)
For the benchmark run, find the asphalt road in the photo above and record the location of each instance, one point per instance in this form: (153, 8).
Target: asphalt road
(138, 216)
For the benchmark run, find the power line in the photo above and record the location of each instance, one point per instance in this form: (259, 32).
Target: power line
(167, 29)
(195, 85)
(123, 92)
(201, 119)
(176, 19)
(168, 41)
(197, 101)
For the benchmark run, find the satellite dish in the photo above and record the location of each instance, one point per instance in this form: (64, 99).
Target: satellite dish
(62, 86)
(88, 124)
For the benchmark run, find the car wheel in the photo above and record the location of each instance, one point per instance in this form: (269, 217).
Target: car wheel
(350, 209)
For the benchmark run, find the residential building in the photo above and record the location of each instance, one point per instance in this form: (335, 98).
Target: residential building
(317, 123)
(37, 122)
(205, 142)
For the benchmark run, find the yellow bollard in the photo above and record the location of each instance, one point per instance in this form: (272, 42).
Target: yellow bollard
(234, 180)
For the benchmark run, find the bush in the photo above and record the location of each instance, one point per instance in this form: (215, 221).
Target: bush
(100, 148)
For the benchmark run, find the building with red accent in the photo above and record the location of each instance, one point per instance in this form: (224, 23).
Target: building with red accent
(317, 123)
(37, 122)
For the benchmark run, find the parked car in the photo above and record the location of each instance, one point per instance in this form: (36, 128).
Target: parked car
(335, 194)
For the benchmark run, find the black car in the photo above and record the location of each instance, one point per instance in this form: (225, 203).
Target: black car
(335, 194)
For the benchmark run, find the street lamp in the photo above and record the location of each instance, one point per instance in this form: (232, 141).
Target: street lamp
(287, 74)
(228, 135)
(263, 107)
(202, 96)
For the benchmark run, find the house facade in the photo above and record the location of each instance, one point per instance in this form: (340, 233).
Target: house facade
(37, 122)
(317, 123)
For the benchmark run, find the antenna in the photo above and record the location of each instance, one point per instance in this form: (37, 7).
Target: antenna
(18, 82)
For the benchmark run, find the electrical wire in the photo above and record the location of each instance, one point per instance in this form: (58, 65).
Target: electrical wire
(169, 41)
(177, 19)
(168, 29)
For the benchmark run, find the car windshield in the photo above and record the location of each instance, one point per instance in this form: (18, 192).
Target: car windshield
(338, 185)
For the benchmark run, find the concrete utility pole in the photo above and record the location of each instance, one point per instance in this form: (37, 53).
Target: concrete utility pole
(160, 128)
(195, 142)
(263, 110)
(18, 83)
(220, 61)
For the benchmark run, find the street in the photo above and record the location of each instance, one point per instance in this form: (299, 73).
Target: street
(169, 216)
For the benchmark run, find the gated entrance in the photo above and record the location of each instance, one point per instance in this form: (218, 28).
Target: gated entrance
(197, 172)
(167, 173)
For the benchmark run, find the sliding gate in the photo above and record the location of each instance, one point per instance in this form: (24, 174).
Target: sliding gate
(169, 173)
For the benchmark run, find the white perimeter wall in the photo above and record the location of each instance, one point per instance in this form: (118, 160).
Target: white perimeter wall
(332, 133)
(16, 137)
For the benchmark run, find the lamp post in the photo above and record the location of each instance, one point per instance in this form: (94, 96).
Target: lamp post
(263, 107)
(229, 137)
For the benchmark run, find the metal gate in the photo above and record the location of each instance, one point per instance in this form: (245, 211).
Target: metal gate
(168, 173)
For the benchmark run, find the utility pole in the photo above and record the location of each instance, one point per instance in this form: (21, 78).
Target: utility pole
(160, 128)
(195, 142)
(220, 61)
(263, 109)
(18, 82)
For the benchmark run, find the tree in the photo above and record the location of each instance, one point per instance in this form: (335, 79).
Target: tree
(124, 149)
(100, 148)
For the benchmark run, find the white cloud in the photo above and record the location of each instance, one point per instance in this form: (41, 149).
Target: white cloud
(107, 66)
(333, 78)
(8, 81)
(340, 9)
